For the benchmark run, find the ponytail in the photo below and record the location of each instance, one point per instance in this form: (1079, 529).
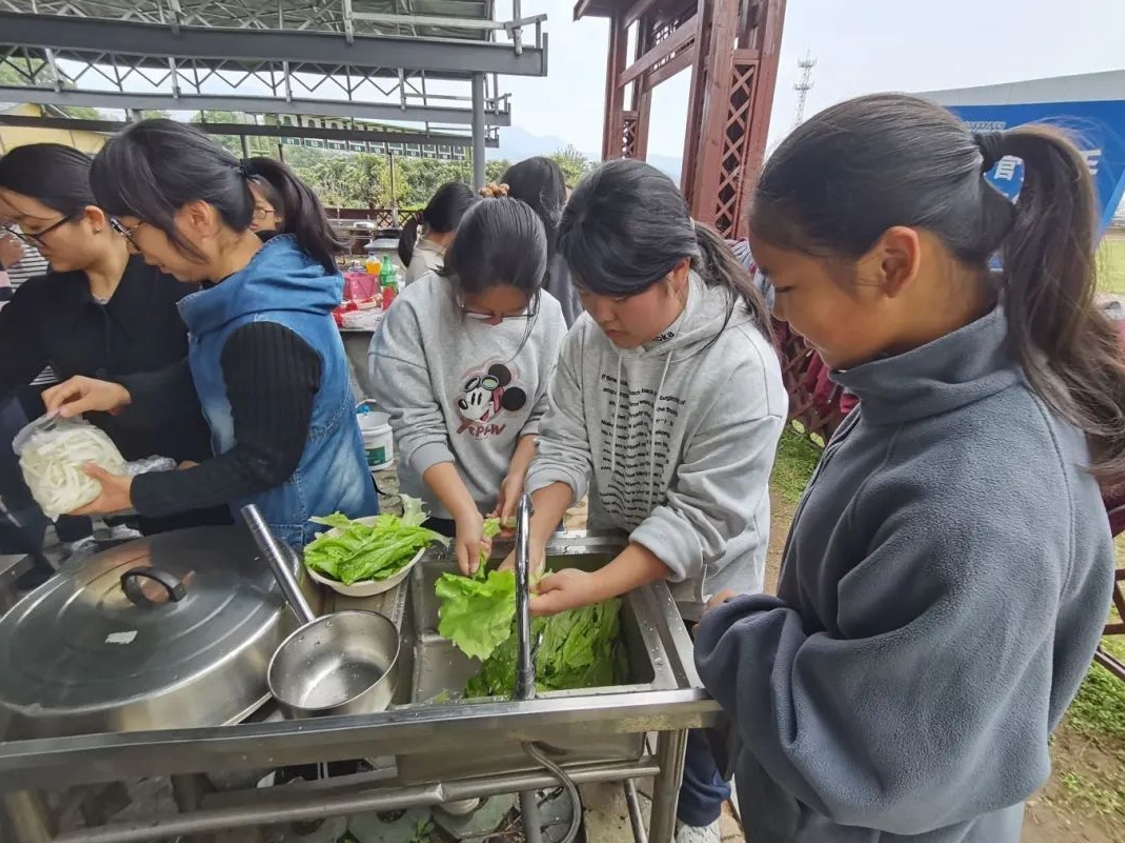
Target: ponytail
(1068, 346)
(409, 237)
(303, 214)
(718, 267)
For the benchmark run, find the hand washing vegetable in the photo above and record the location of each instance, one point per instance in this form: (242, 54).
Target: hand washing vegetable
(577, 649)
(361, 552)
(52, 453)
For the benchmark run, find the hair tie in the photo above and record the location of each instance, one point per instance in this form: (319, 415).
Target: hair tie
(494, 191)
(991, 146)
(244, 168)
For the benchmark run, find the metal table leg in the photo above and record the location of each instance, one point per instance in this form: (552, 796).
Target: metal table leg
(26, 816)
(671, 749)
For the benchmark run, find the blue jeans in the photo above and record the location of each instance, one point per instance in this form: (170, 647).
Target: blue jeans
(703, 791)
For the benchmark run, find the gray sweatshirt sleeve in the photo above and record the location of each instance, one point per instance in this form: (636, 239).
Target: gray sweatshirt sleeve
(724, 473)
(563, 449)
(548, 361)
(401, 385)
(931, 706)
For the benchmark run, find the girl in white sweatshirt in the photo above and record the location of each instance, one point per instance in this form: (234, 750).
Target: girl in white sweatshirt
(666, 408)
(462, 362)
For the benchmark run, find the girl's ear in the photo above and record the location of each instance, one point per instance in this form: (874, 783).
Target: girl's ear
(97, 218)
(893, 262)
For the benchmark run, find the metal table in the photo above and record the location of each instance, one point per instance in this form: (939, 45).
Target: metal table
(407, 738)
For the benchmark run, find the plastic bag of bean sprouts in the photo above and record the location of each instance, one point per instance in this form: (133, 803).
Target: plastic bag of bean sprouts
(52, 452)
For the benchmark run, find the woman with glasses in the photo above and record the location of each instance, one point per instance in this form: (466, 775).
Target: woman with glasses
(462, 362)
(268, 215)
(97, 312)
(265, 359)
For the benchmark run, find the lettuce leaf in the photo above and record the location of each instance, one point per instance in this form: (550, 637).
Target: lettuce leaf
(476, 613)
(577, 649)
(364, 552)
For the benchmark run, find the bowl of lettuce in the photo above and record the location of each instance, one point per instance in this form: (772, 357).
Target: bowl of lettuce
(367, 556)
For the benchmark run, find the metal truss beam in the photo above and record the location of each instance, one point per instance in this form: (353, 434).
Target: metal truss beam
(252, 105)
(250, 130)
(455, 58)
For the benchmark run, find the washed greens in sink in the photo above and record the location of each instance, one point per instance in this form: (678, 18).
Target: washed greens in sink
(576, 649)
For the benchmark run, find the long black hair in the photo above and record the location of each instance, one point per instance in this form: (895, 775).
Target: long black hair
(627, 226)
(155, 167)
(500, 241)
(442, 214)
(541, 184)
(851, 172)
(55, 175)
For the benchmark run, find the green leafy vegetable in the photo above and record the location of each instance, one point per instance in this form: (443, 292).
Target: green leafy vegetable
(491, 530)
(577, 649)
(361, 552)
(476, 613)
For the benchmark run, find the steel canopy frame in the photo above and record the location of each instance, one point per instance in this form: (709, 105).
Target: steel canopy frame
(732, 47)
(363, 59)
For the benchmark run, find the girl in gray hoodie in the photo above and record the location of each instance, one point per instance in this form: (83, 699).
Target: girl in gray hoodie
(462, 362)
(666, 407)
(948, 573)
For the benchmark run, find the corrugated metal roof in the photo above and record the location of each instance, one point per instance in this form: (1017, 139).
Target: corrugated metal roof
(1086, 87)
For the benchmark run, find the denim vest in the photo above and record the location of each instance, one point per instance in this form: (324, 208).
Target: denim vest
(284, 285)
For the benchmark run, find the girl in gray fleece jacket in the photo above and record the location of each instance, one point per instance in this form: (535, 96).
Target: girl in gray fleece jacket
(948, 573)
(666, 407)
(462, 362)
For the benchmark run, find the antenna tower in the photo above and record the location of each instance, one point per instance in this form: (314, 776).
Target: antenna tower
(803, 86)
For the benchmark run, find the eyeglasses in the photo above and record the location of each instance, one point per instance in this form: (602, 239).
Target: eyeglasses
(125, 231)
(36, 239)
(261, 213)
(529, 313)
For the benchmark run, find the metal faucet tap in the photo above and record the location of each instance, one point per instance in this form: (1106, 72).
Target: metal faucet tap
(525, 663)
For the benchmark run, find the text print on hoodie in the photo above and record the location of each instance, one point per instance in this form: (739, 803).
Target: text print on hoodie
(944, 586)
(680, 437)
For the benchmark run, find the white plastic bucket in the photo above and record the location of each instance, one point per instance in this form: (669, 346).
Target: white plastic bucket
(378, 442)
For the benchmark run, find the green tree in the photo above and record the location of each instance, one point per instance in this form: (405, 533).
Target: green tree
(424, 176)
(41, 72)
(573, 163)
(494, 170)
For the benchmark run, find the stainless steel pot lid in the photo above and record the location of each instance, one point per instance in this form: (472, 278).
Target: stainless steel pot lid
(144, 620)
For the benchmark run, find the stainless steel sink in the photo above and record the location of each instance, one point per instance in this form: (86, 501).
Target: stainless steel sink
(440, 671)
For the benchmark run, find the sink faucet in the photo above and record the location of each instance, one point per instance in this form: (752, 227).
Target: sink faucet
(525, 663)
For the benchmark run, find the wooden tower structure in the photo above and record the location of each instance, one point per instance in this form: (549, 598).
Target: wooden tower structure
(732, 48)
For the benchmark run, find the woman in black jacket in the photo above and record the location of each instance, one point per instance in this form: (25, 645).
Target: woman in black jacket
(98, 312)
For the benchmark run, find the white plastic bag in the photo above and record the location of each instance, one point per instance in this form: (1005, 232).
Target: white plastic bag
(52, 452)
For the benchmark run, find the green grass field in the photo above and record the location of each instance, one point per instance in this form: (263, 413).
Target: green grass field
(1111, 265)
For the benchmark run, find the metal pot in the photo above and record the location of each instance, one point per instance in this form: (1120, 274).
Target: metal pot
(171, 631)
(343, 663)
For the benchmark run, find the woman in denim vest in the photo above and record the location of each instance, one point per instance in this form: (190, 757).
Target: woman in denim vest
(264, 357)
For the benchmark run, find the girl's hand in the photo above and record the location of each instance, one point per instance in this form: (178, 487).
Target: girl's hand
(470, 542)
(115, 496)
(568, 589)
(83, 395)
(509, 499)
(719, 599)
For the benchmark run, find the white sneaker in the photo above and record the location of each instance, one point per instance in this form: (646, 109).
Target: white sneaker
(80, 549)
(695, 834)
(123, 532)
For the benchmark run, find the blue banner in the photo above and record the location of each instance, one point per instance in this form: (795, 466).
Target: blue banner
(1097, 127)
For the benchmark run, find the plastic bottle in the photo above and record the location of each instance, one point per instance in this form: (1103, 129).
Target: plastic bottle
(388, 283)
(373, 267)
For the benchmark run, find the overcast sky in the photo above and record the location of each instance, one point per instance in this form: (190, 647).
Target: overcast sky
(860, 46)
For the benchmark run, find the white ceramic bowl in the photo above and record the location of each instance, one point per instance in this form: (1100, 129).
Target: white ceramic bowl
(364, 588)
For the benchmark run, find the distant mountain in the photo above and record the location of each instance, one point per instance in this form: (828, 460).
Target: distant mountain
(517, 144)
